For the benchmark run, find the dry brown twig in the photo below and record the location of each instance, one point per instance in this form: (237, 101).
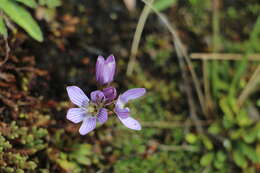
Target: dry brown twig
(253, 81)
(174, 124)
(190, 148)
(7, 48)
(130, 4)
(179, 46)
(183, 56)
(137, 36)
(181, 53)
(251, 85)
(7, 52)
(224, 56)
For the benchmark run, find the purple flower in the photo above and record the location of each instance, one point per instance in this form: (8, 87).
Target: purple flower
(105, 69)
(88, 111)
(93, 110)
(123, 112)
(110, 94)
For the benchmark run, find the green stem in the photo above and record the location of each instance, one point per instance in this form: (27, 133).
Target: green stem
(216, 41)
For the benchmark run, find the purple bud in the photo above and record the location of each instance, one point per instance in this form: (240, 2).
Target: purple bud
(97, 96)
(105, 69)
(110, 93)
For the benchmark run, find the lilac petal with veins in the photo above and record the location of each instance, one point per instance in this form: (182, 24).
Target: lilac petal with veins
(89, 124)
(77, 96)
(122, 112)
(97, 96)
(99, 68)
(110, 68)
(102, 115)
(76, 115)
(131, 123)
(132, 94)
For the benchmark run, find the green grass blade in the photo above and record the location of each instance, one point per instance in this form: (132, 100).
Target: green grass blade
(22, 17)
(161, 5)
(3, 30)
(29, 3)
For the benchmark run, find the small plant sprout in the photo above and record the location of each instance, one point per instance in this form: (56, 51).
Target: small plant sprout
(93, 110)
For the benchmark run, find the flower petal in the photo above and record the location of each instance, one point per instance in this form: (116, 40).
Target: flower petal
(110, 93)
(89, 124)
(102, 115)
(132, 94)
(97, 96)
(109, 69)
(131, 123)
(111, 59)
(122, 112)
(99, 68)
(76, 115)
(77, 96)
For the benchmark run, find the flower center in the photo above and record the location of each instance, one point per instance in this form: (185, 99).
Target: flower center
(92, 109)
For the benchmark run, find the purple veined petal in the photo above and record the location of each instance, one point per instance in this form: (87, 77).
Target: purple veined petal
(102, 115)
(111, 59)
(119, 103)
(109, 69)
(76, 115)
(122, 112)
(110, 93)
(99, 69)
(130, 123)
(97, 96)
(111, 63)
(77, 96)
(132, 94)
(89, 124)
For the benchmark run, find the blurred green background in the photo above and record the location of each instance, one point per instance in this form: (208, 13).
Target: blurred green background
(200, 114)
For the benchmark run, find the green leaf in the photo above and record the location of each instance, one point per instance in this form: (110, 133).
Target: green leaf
(225, 106)
(163, 4)
(248, 151)
(50, 3)
(66, 165)
(221, 156)
(207, 142)
(29, 3)
(82, 149)
(54, 3)
(239, 159)
(236, 134)
(22, 17)
(219, 165)
(3, 30)
(214, 128)
(258, 103)
(191, 138)
(206, 159)
(83, 160)
(251, 135)
(243, 119)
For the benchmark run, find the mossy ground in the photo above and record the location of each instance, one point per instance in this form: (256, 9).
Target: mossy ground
(36, 137)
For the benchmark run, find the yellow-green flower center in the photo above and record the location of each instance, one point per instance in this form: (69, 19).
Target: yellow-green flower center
(92, 109)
